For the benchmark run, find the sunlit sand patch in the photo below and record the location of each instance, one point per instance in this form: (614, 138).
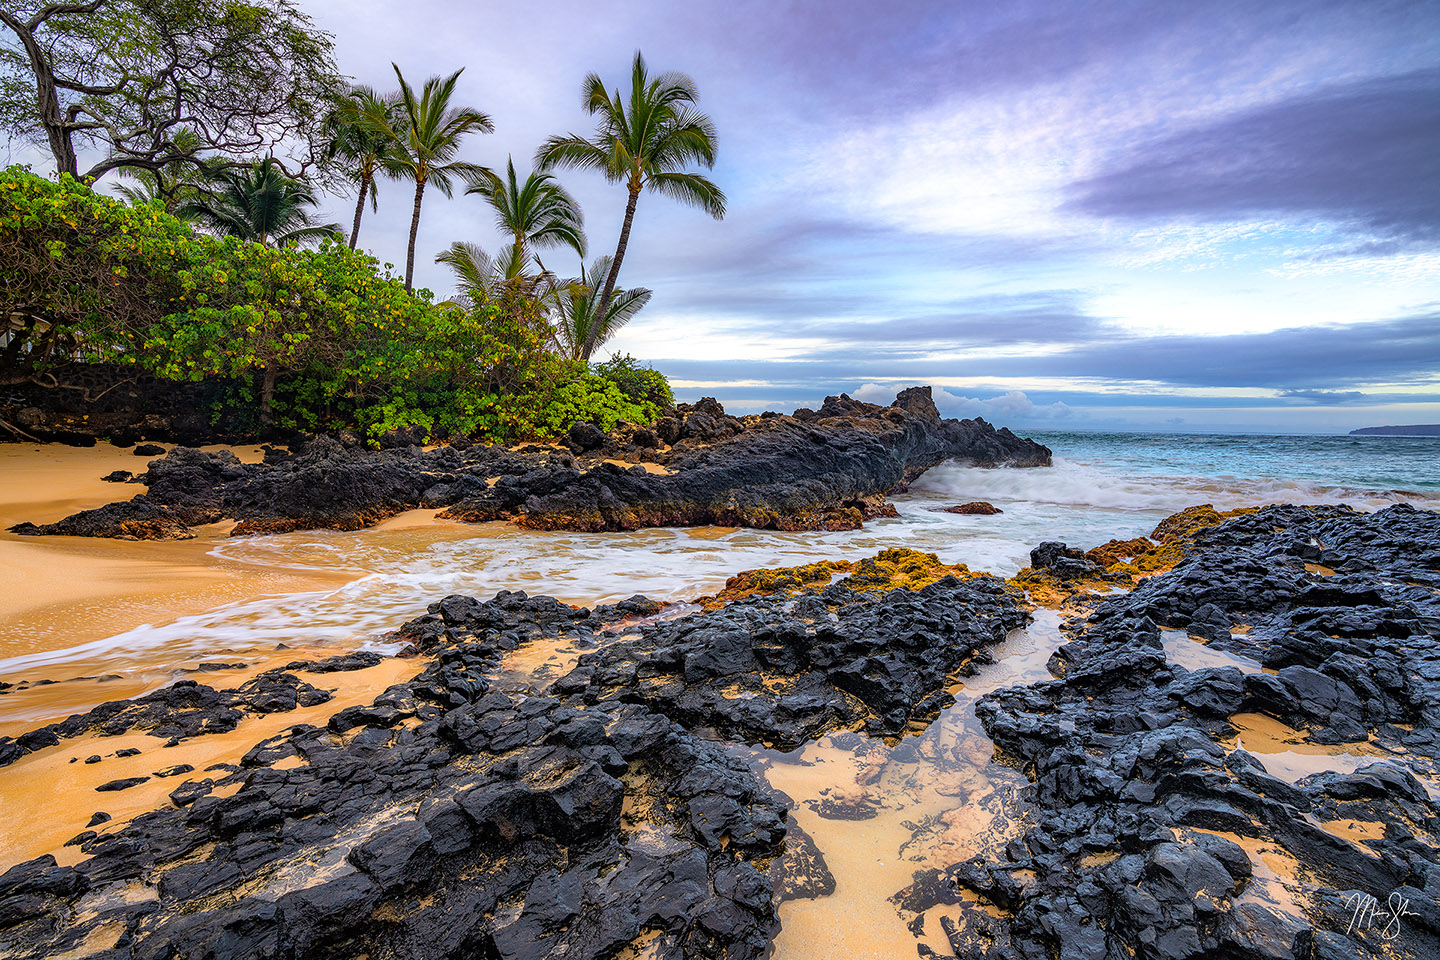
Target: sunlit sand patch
(647, 946)
(35, 823)
(1099, 858)
(655, 469)
(1355, 831)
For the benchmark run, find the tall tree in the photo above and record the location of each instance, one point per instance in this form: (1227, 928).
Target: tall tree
(644, 142)
(575, 305)
(126, 76)
(537, 213)
(261, 204)
(359, 130)
(427, 138)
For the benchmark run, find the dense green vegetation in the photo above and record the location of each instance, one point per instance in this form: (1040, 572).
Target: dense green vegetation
(219, 264)
(314, 339)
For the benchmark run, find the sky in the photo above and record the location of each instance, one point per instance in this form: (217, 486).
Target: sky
(1199, 216)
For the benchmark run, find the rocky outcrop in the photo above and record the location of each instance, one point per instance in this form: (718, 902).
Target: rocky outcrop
(446, 819)
(819, 470)
(451, 818)
(1152, 817)
(188, 708)
(976, 508)
(784, 672)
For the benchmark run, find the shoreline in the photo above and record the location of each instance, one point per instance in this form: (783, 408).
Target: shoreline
(859, 763)
(67, 591)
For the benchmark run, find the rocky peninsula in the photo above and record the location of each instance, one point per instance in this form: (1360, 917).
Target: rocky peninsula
(826, 469)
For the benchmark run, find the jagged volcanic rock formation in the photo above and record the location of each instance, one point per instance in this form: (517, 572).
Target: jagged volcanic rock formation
(784, 672)
(445, 820)
(451, 819)
(825, 469)
(188, 708)
(1158, 834)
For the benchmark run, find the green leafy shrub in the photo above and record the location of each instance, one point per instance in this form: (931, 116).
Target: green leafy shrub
(310, 339)
(591, 399)
(641, 384)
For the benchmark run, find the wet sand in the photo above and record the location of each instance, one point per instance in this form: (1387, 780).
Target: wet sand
(1289, 754)
(60, 592)
(50, 794)
(937, 799)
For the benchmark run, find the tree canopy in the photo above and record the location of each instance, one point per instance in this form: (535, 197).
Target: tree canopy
(644, 141)
(126, 77)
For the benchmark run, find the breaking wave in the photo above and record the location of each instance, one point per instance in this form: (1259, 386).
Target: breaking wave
(1077, 484)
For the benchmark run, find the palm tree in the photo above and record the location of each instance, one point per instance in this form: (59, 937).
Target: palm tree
(646, 141)
(575, 302)
(538, 214)
(360, 133)
(259, 203)
(483, 278)
(426, 140)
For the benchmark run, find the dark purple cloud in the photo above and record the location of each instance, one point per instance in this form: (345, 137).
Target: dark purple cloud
(1366, 152)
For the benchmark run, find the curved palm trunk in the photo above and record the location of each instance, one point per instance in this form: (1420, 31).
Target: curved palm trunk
(604, 304)
(359, 208)
(414, 229)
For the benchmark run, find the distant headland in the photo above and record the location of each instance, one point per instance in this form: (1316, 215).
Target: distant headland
(1414, 430)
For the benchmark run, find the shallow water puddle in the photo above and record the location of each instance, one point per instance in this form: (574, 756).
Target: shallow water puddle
(1288, 755)
(880, 813)
(1275, 881)
(1183, 649)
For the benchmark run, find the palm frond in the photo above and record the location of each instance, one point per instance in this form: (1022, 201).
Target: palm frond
(571, 151)
(691, 189)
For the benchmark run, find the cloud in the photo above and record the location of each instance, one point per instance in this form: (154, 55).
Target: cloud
(1326, 396)
(1321, 358)
(1366, 152)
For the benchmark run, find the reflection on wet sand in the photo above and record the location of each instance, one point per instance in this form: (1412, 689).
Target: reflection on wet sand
(1186, 650)
(880, 813)
(64, 592)
(1288, 754)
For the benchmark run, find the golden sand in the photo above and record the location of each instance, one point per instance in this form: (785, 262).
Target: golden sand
(59, 592)
(49, 795)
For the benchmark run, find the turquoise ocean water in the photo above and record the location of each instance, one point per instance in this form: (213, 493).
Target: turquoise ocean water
(1409, 464)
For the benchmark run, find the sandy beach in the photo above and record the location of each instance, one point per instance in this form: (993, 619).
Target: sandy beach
(60, 592)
